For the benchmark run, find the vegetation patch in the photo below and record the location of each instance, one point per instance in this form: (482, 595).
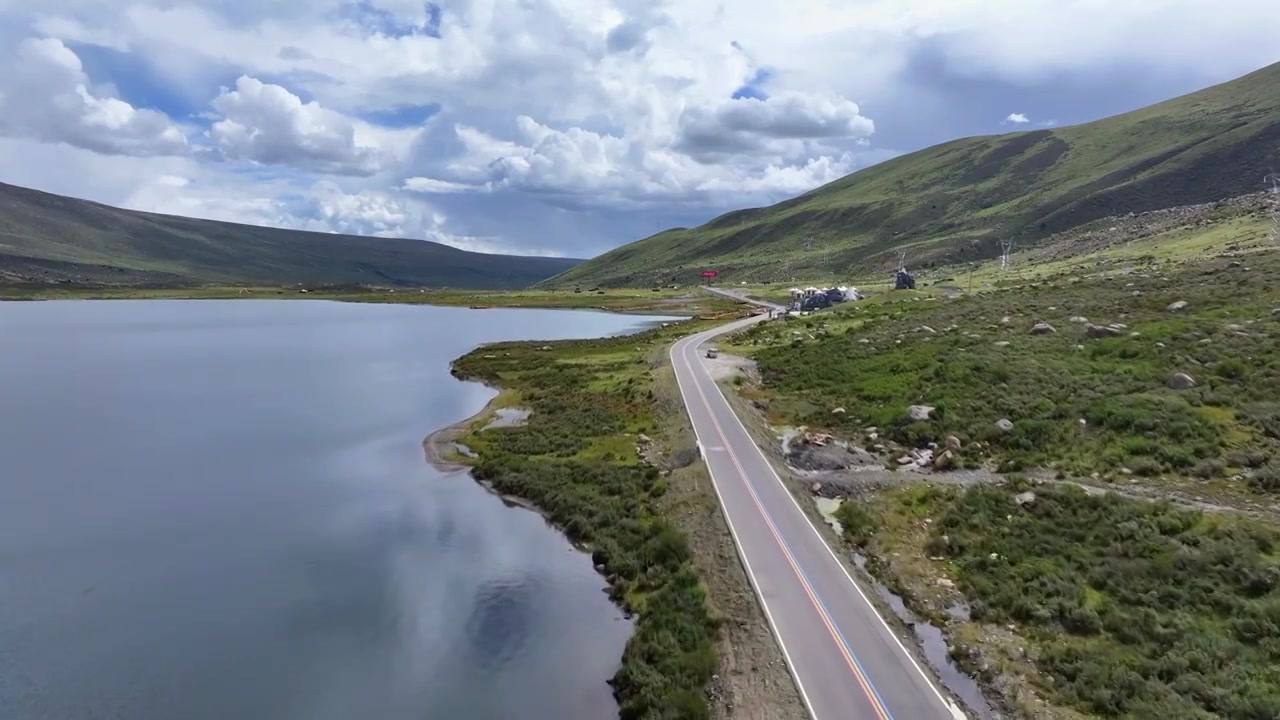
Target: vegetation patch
(581, 459)
(1138, 609)
(1131, 609)
(1097, 393)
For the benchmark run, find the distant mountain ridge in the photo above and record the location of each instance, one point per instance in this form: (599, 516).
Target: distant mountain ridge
(956, 201)
(47, 238)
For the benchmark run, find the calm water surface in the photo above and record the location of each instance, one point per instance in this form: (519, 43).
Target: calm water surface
(220, 509)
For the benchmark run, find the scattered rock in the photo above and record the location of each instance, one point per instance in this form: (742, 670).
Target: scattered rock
(816, 488)
(927, 329)
(1042, 328)
(1178, 306)
(953, 443)
(1004, 425)
(1181, 381)
(946, 583)
(919, 413)
(1006, 320)
(544, 348)
(1101, 331)
(837, 411)
(1160, 345)
(906, 460)
(1025, 498)
(644, 439)
(1002, 343)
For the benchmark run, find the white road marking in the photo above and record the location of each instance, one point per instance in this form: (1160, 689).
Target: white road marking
(694, 341)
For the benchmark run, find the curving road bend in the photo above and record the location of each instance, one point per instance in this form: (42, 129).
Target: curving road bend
(846, 662)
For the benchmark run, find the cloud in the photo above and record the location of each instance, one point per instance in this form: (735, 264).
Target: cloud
(45, 95)
(750, 123)
(268, 124)
(588, 122)
(432, 185)
(1017, 118)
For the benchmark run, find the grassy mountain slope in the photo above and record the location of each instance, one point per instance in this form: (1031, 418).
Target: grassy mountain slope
(49, 238)
(955, 201)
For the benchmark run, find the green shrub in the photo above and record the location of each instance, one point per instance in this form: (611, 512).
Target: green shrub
(1139, 610)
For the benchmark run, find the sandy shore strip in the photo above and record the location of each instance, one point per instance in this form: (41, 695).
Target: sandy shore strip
(447, 455)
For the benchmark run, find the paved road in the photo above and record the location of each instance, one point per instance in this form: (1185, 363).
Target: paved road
(845, 660)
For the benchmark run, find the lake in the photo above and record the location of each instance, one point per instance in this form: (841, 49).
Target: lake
(221, 509)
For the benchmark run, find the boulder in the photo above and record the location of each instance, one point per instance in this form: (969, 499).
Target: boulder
(1078, 319)
(906, 460)
(1004, 425)
(1025, 498)
(1178, 306)
(837, 411)
(1002, 343)
(1042, 328)
(953, 443)
(1181, 381)
(919, 413)
(943, 460)
(644, 438)
(1101, 331)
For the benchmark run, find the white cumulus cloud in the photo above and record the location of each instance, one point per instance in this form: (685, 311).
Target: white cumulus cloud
(1017, 119)
(268, 124)
(45, 95)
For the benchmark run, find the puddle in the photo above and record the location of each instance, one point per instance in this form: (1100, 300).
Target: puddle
(788, 434)
(828, 507)
(509, 417)
(934, 645)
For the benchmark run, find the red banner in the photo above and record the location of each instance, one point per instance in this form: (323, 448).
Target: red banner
(709, 273)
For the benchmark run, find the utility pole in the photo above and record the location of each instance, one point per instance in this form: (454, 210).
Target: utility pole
(1273, 179)
(1006, 246)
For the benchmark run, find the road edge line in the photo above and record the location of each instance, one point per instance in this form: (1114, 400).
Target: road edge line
(956, 712)
(737, 545)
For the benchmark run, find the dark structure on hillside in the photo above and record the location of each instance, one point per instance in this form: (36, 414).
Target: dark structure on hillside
(904, 281)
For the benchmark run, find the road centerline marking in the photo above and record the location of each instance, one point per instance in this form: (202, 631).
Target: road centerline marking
(842, 644)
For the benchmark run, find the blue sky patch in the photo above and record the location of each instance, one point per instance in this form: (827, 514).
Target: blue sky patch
(402, 117)
(754, 86)
(136, 80)
(377, 20)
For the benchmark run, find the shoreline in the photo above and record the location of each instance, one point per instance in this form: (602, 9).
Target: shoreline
(620, 302)
(441, 448)
(614, 443)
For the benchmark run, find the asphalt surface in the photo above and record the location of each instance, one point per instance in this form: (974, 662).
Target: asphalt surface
(845, 660)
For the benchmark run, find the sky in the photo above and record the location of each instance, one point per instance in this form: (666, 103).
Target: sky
(558, 127)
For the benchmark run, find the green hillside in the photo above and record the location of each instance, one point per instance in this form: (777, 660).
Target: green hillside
(956, 201)
(47, 238)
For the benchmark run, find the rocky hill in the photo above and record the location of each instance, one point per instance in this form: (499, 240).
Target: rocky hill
(957, 201)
